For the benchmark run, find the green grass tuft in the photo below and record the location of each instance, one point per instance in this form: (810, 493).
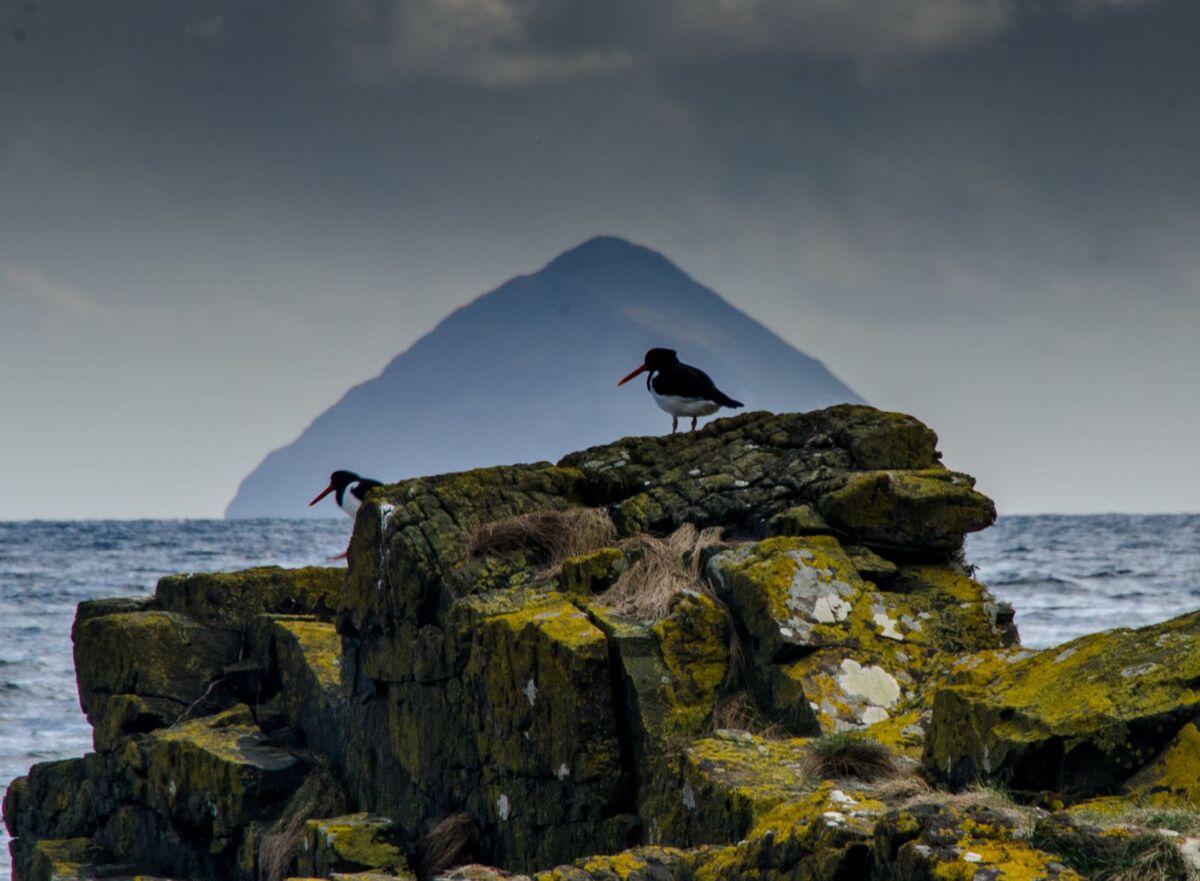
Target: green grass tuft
(846, 754)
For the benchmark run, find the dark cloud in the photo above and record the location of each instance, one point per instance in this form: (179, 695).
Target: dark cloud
(502, 43)
(267, 202)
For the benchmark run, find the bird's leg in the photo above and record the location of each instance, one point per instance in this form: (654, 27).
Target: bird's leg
(674, 424)
(693, 423)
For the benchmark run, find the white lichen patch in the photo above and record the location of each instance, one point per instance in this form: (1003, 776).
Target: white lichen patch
(816, 592)
(871, 715)
(563, 772)
(694, 472)
(887, 627)
(871, 683)
(830, 609)
(741, 484)
(689, 796)
(530, 691)
(971, 857)
(503, 809)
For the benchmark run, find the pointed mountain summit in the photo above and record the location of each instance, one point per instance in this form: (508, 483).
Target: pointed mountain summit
(529, 371)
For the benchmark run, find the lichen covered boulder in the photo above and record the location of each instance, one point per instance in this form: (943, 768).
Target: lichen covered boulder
(939, 840)
(232, 600)
(215, 775)
(1080, 718)
(718, 787)
(350, 844)
(832, 650)
(163, 661)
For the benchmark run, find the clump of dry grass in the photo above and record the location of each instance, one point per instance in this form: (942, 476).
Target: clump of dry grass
(906, 788)
(661, 570)
(452, 842)
(552, 535)
(320, 795)
(1150, 857)
(846, 754)
(739, 711)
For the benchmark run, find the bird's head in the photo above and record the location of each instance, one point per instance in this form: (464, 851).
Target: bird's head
(656, 359)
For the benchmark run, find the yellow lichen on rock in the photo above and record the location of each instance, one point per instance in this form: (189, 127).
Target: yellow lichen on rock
(1173, 778)
(60, 859)
(351, 843)
(1096, 709)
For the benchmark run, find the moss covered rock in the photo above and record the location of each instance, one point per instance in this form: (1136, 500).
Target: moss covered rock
(831, 650)
(215, 775)
(233, 600)
(826, 834)
(937, 840)
(1079, 718)
(718, 787)
(308, 659)
(639, 864)
(61, 859)
(165, 659)
(353, 843)
(929, 509)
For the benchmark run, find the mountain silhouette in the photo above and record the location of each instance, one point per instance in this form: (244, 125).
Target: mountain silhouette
(529, 371)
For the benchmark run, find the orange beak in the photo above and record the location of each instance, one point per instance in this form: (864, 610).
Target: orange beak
(324, 493)
(632, 375)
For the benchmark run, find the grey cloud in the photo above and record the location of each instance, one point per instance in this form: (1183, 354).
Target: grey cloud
(513, 42)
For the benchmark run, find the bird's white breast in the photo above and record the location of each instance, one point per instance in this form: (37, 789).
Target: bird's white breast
(350, 502)
(677, 406)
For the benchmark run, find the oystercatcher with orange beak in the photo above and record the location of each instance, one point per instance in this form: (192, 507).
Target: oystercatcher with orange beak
(351, 490)
(680, 389)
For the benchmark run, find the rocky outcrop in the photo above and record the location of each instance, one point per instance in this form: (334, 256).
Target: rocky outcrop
(545, 669)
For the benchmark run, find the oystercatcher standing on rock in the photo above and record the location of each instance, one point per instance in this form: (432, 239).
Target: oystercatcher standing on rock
(350, 491)
(680, 389)
(350, 488)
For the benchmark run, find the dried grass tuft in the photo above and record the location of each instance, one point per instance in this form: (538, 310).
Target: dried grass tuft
(739, 711)
(320, 795)
(452, 842)
(1150, 857)
(907, 788)
(551, 535)
(661, 570)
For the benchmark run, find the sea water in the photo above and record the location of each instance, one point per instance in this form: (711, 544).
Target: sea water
(1065, 575)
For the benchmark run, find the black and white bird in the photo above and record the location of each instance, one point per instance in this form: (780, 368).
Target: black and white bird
(350, 488)
(680, 389)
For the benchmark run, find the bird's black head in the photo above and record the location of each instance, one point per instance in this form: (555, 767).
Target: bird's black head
(656, 359)
(338, 481)
(342, 479)
(660, 359)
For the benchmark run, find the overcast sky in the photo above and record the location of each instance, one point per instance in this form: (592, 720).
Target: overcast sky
(216, 217)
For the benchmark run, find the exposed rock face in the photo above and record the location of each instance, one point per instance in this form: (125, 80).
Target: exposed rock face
(497, 684)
